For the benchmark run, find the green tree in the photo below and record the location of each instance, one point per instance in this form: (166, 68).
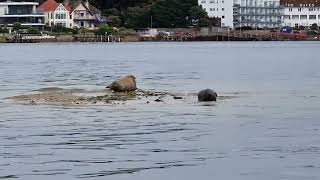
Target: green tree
(111, 12)
(103, 30)
(136, 17)
(165, 13)
(115, 21)
(16, 27)
(315, 27)
(178, 13)
(4, 30)
(198, 17)
(32, 30)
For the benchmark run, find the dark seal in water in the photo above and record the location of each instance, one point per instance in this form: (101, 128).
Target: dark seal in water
(127, 83)
(207, 95)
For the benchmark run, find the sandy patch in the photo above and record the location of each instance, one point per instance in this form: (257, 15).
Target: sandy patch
(60, 96)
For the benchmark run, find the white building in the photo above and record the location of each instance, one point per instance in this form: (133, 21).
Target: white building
(301, 13)
(258, 13)
(56, 14)
(71, 14)
(222, 9)
(85, 15)
(24, 13)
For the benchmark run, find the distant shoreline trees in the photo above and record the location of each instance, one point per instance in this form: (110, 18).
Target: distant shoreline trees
(137, 14)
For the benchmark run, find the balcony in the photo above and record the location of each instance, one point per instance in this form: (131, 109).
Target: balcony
(28, 21)
(258, 14)
(84, 17)
(258, 21)
(24, 15)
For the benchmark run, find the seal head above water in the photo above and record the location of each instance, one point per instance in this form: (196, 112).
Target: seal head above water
(207, 95)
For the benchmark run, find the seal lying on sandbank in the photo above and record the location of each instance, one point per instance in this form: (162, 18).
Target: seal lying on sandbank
(207, 95)
(124, 84)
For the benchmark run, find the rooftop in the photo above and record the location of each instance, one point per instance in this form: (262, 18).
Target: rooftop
(300, 3)
(6, 3)
(49, 5)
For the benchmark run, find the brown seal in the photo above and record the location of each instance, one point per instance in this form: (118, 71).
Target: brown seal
(127, 83)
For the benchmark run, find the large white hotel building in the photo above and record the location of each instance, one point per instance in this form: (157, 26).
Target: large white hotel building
(239, 13)
(301, 12)
(263, 13)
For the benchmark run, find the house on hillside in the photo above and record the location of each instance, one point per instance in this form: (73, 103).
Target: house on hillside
(24, 13)
(84, 15)
(56, 14)
(71, 14)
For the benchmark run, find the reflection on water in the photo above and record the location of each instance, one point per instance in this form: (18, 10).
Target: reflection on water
(270, 132)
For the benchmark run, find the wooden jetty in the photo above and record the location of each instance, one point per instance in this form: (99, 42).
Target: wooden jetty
(30, 38)
(97, 38)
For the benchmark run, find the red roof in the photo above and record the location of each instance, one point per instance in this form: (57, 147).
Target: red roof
(68, 7)
(49, 5)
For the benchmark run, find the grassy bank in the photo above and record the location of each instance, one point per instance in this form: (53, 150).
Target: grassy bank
(3, 39)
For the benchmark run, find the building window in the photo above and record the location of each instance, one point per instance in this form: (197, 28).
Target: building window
(295, 16)
(303, 17)
(61, 16)
(313, 17)
(81, 24)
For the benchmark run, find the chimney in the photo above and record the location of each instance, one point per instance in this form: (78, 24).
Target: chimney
(66, 3)
(86, 3)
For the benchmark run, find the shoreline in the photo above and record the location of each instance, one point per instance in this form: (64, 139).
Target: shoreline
(152, 41)
(217, 37)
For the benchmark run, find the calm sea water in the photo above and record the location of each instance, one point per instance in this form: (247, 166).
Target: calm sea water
(272, 131)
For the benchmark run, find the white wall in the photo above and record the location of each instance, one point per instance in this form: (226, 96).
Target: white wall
(221, 9)
(2, 9)
(51, 18)
(87, 18)
(258, 13)
(301, 16)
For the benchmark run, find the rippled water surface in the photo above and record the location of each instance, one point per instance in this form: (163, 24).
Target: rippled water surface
(272, 131)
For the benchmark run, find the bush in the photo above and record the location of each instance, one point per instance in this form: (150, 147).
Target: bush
(32, 30)
(244, 28)
(126, 32)
(314, 27)
(16, 27)
(4, 30)
(60, 29)
(115, 21)
(302, 28)
(103, 30)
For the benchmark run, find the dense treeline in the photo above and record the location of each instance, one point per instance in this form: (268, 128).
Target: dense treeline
(156, 13)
